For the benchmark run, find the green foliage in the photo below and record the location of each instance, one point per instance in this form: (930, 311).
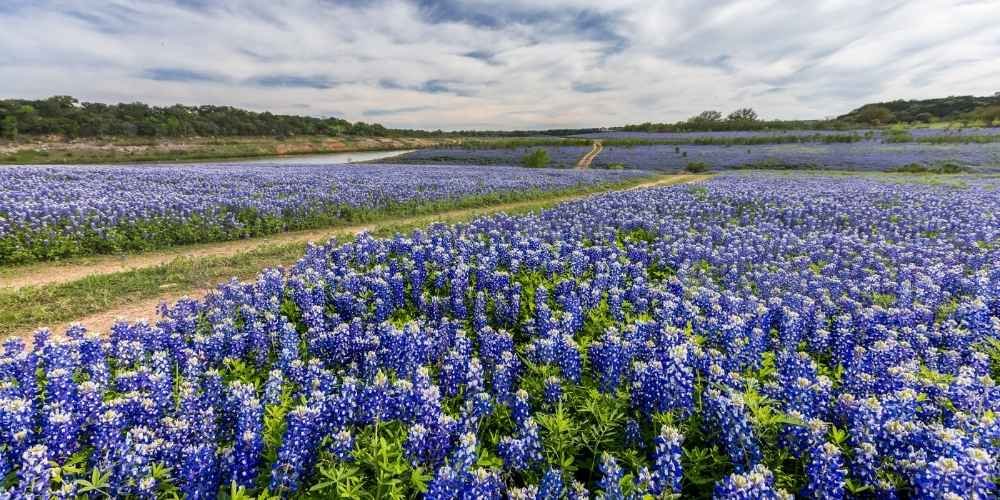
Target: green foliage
(885, 300)
(991, 347)
(66, 116)
(950, 108)
(743, 115)
(538, 158)
(875, 115)
(8, 127)
(942, 168)
(696, 167)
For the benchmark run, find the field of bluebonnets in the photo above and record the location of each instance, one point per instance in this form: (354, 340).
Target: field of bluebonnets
(873, 134)
(969, 149)
(864, 155)
(56, 212)
(559, 156)
(753, 336)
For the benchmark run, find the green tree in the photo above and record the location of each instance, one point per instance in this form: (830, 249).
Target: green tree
(875, 115)
(990, 114)
(707, 117)
(8, 127)
(536, 159)
(743, 115)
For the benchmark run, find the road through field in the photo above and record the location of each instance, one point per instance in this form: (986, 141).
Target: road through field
(43, 276)
(589, 157)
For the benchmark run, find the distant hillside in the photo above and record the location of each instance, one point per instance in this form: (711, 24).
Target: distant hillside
(953, 108)
(983, 110)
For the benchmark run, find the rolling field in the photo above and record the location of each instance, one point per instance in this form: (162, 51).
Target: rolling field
(488, 250)
(49, 213)
(752, 336)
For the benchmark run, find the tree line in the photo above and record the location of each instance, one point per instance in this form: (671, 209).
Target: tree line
(963, 109)
(740, 119)
(66, 116)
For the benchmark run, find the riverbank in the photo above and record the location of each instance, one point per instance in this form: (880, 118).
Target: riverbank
(55, 150)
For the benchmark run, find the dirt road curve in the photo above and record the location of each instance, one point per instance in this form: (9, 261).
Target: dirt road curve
(589, 157)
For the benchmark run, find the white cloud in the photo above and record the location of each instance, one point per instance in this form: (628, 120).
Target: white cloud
(510, 64)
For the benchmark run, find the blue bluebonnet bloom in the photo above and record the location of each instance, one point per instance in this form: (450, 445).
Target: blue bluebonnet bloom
(552, 392)
(729, 416)
(667, 470)
(298, 450)
(522, 452)
(757, 483)
(248, 440)
(611, 478)
(826, 473)
(633, 434)
(35, 473)
(551, 486)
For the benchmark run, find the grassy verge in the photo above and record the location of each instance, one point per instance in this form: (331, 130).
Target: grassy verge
(125, 150)
(26, 308)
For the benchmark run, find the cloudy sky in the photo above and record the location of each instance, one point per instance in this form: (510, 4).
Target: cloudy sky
(507, 64)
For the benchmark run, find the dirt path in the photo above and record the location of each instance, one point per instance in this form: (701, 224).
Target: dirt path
(146, 309)
(63, 272)
(589, 157)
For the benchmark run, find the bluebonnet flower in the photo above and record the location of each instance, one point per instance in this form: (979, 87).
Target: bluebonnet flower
(520, 408)
(756, 484)
(505, 376)
(633, 435)
(578, 491)
(551, 486)
(863, 464)
(61, 431)
(525, 450)
(667, 470)
(968, 475)
(729, 415)
(199, 472)
(826, 473)
(248, 445)
(343, 445)
(609, 357)
(35, 474)
(17, 419)
(552, 391)
(459, 479)
(297, 452)
(273, 387)
(611, 478)
(141, 450)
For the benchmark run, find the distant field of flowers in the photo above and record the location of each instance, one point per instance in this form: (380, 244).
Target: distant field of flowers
(869, 133)
(864, 155)
(55, 212)
(559, 156)
(750, 337)
(867, 150)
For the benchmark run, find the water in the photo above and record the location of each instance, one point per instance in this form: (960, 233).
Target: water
(321, 159)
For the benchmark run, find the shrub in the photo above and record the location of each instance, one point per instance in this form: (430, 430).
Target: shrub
(538, 158)
(696, 167)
